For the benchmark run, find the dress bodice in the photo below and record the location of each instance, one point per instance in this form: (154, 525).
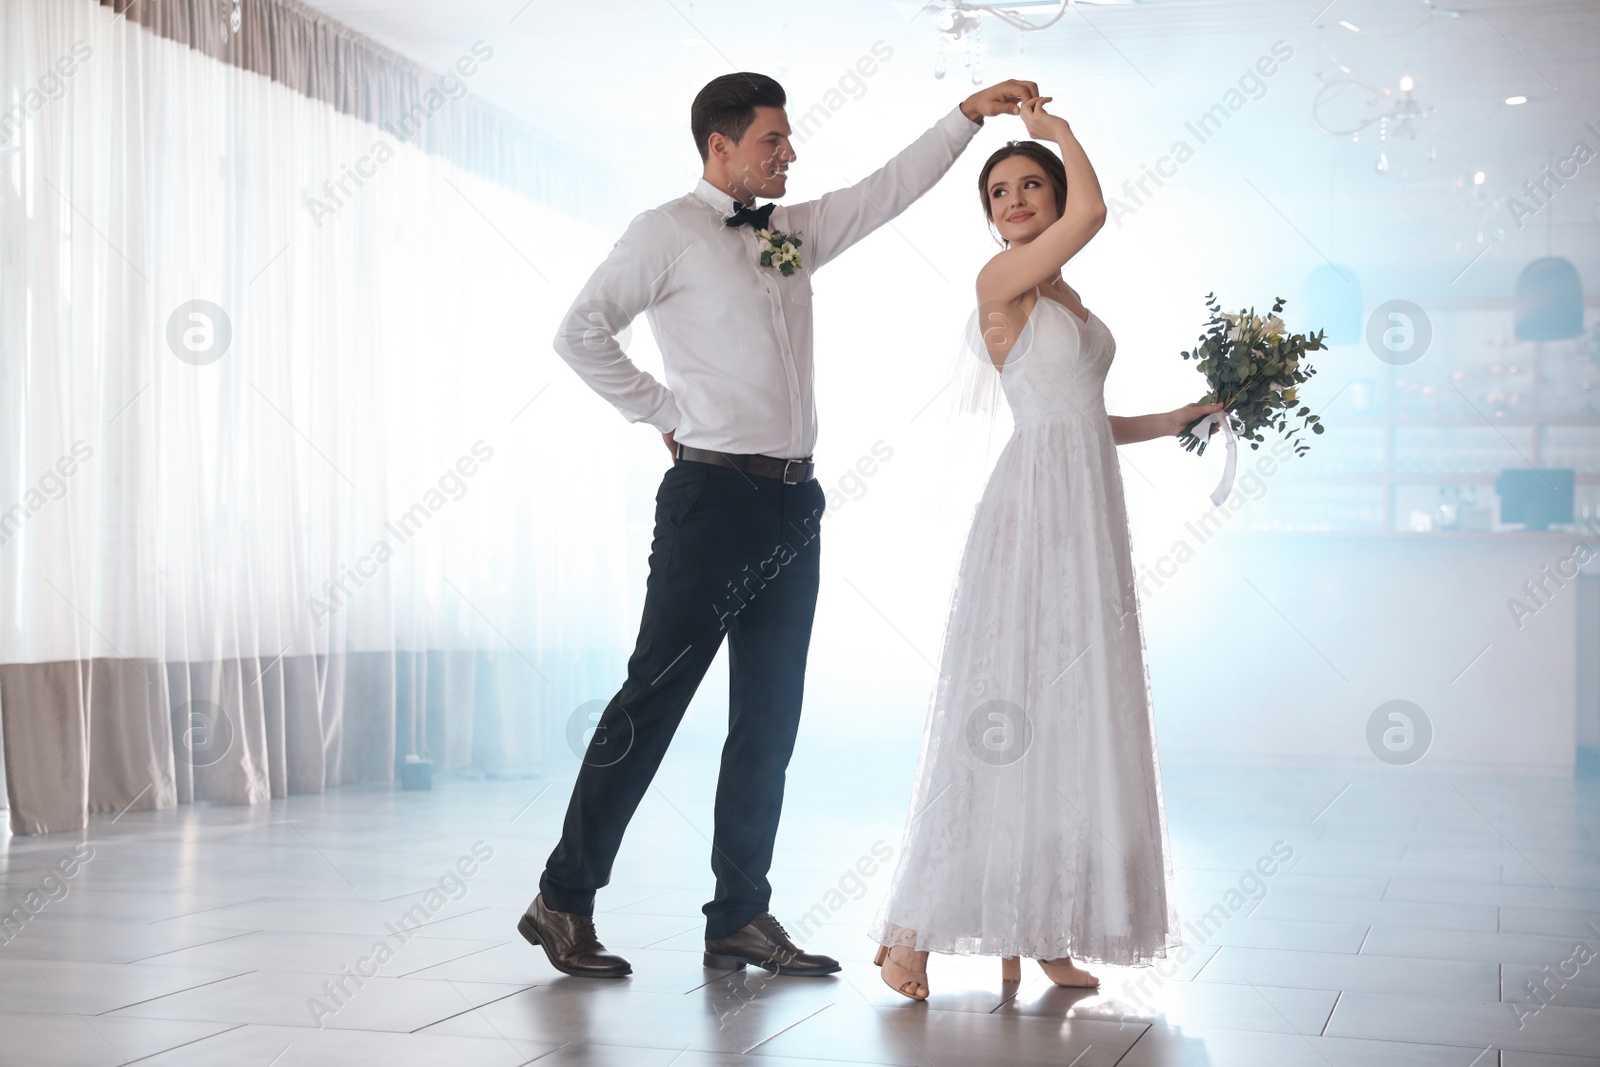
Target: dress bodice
(1058, 365)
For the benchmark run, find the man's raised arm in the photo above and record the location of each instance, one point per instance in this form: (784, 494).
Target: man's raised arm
(633, 276)
(840, 218)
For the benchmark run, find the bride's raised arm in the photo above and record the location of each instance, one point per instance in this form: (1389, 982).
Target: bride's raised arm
(1016, 270)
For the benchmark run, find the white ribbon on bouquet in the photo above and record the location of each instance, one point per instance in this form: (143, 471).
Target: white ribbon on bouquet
(1202, 430)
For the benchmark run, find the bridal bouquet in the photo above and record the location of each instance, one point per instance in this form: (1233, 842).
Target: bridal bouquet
(1253, 366)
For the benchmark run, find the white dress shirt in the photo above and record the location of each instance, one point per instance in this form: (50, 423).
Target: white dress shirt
(735, 337)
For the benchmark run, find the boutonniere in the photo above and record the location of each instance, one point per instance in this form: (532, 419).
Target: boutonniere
(781, 250)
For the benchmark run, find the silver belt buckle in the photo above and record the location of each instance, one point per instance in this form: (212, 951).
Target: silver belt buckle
(786, 465)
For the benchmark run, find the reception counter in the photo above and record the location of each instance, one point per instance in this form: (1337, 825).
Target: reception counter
(1280, 647)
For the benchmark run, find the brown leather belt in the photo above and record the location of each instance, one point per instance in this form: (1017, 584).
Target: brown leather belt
(788, 471)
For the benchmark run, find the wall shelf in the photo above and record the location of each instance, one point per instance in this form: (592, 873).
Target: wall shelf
(1499, 404)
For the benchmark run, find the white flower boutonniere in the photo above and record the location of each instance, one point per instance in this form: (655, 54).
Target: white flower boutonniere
(781, 250)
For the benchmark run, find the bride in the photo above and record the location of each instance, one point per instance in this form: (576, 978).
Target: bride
(1036, 825)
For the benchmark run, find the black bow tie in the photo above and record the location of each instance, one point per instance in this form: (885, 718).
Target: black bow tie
(757, 218)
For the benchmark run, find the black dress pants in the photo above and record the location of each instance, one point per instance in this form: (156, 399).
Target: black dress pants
(735, 556)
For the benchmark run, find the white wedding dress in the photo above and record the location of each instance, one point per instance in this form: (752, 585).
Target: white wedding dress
(1036, 826)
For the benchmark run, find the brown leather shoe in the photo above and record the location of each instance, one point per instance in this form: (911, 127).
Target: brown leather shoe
(570, 942)
(764, 943)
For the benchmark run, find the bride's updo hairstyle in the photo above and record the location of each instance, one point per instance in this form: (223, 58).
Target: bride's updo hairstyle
(1049, 164)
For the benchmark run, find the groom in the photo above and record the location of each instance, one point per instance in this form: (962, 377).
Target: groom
(735, 551)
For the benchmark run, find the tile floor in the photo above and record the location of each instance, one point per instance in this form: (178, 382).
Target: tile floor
(1409, 927)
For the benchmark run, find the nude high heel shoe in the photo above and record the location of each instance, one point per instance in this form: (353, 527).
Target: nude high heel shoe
(900, 978)
(1064, 972)
(1010, 969)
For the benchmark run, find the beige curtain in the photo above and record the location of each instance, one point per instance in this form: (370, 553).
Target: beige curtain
(325, 60)
(275, 489)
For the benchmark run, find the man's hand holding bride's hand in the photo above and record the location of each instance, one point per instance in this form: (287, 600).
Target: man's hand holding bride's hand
(1180, 420)
(1042, 125)
(1002, 99)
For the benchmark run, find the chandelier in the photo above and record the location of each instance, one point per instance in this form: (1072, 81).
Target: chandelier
(960, 25)
(1395, 111)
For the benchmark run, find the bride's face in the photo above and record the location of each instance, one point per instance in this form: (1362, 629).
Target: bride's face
(1021, 201)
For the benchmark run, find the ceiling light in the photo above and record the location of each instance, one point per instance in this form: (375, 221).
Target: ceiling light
(1549, 301)
(1515, 100)
(1352, 27)
(1407, 83)
(1478, 178)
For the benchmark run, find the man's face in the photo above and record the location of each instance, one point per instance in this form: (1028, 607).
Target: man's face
(760, 161)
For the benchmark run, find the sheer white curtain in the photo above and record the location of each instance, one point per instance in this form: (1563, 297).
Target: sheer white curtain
(280, 539)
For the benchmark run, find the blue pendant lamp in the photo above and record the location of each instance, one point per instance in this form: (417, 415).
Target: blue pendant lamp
(1549, 301)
